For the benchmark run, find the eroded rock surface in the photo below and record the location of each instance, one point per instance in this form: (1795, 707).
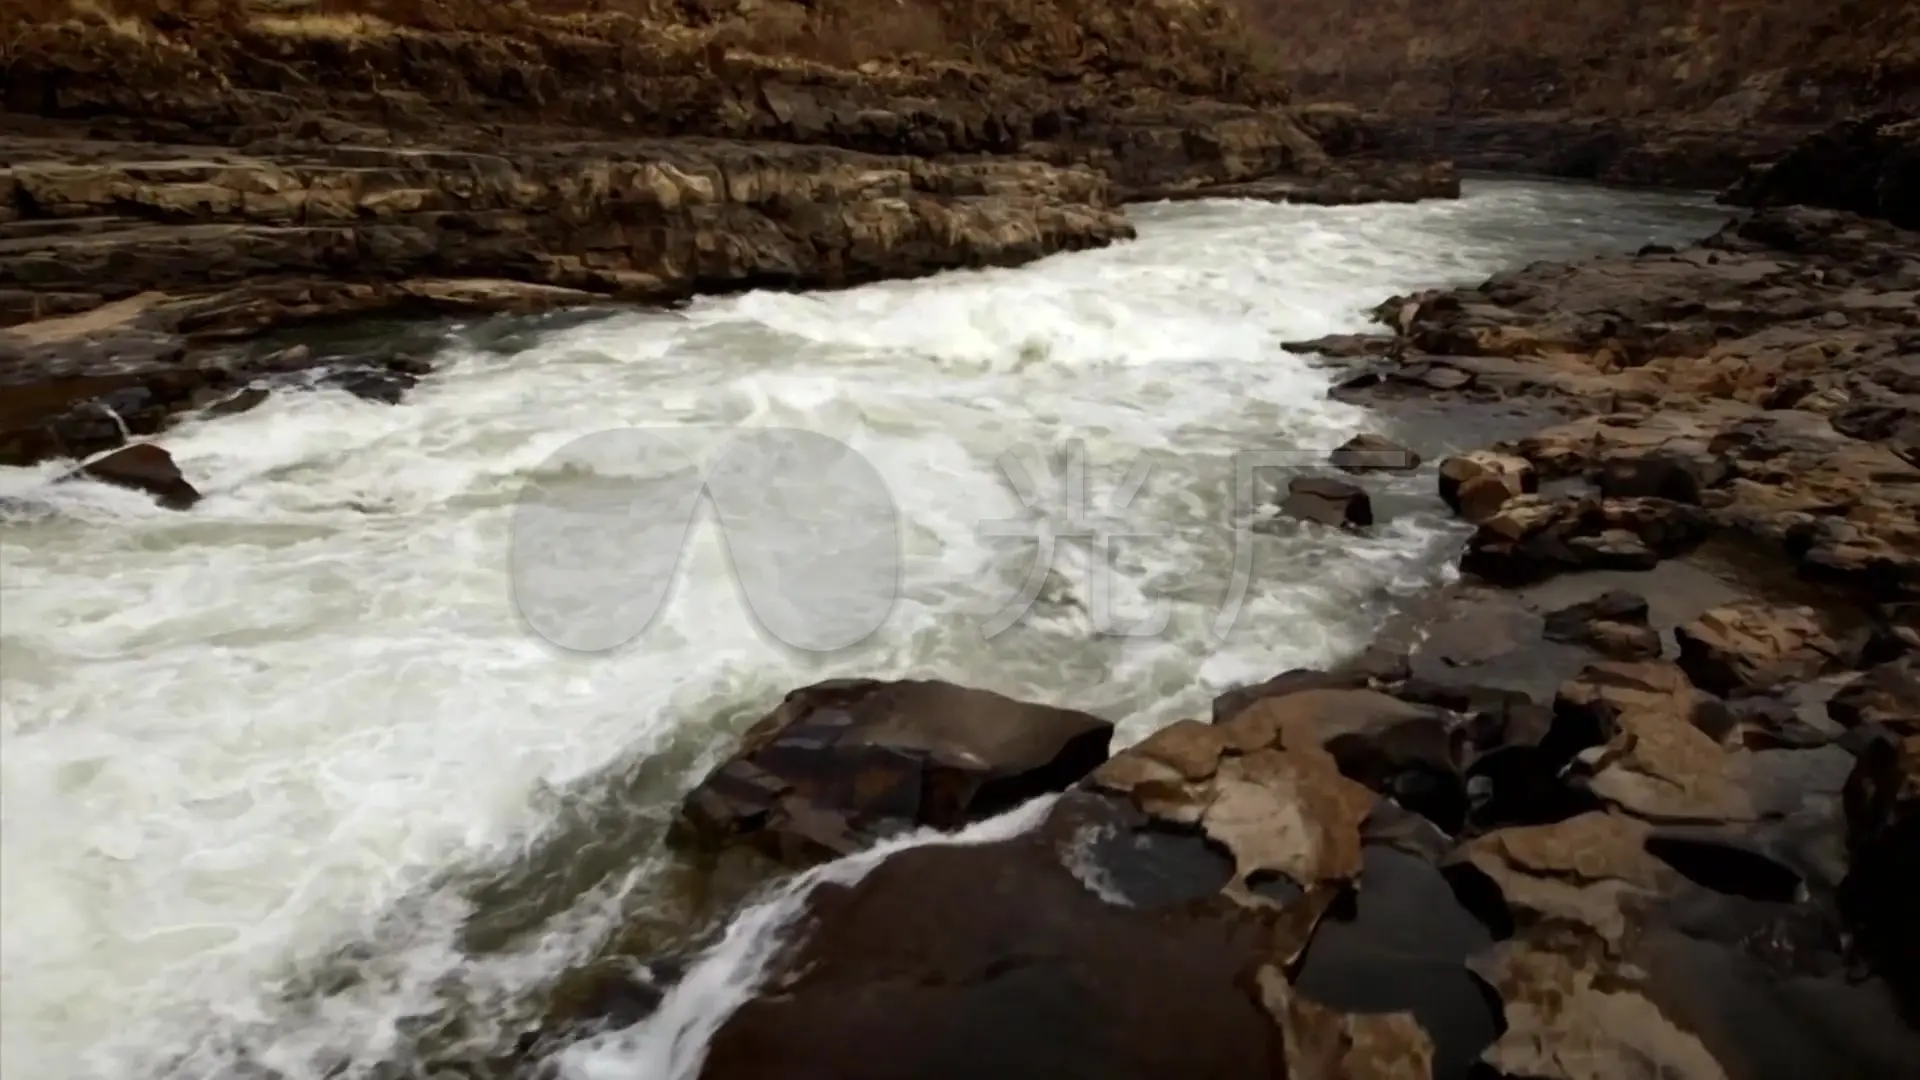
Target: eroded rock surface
(1760, 384)
(1274, 891)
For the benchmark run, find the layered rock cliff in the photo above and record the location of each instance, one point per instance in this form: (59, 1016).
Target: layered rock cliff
(1667, 91)
(179, 171)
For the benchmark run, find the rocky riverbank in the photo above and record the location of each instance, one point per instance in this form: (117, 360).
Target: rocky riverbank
(182, 177)
(1642, 801)
(1684, 93)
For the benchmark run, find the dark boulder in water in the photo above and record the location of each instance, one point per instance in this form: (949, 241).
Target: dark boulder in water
(842, 764)
(144, 467)
(1328, 501)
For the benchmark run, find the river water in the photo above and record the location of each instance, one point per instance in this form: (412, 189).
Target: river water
(291, 778)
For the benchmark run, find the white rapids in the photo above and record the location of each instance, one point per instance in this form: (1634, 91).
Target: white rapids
(261, 758)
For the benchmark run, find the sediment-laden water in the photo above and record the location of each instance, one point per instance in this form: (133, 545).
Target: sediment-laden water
(289, 780)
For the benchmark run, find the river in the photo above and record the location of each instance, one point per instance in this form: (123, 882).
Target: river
(289, 777)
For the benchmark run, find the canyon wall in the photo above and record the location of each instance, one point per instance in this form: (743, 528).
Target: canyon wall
(1682, 92)
(185, 173)
(1773, 60)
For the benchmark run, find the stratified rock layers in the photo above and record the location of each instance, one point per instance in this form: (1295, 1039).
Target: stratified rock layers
(195, 172)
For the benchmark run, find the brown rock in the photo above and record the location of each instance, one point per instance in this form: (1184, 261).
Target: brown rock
(1281, 814)
(1476, 485)
(1887, 694)
(1094, 945)
(1328, 501)
(1373, 453)
(1589, 870)
(1574, 1014)
(1535, 537)
(1482, 497)
(144, 467)
(1230, 704)
(1322, 1042)
(841, 764)
(1655, 764)
(1660, 474)
(1004, 959)
(1754, 646)
(1413, 753)
(1613, 624)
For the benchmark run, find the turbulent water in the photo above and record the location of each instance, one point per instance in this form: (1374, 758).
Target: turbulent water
(290, 779)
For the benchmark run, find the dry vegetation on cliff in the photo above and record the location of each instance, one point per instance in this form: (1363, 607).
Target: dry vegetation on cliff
(1182, 46)
(1780, 59)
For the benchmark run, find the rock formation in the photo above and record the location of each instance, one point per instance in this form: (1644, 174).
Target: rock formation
(184, 174)
(1869, 165)
(1640, 803)
(1669, 92)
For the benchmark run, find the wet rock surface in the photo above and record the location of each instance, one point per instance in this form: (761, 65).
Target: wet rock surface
(1639, 801)
(1358, 874)
(1329, 501)
(1757, 384)
(840, 765)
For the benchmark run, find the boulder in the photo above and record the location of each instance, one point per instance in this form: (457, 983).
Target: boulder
(1094, 946)
(1755, 646)
(1146, 927)
(144, 467)
(1613, 624)
(1373, 453)
(1328, 501)
(1535, 537)
(1886, 695)
(839, 765)
(1412, 753)
(1230, 704)
(1477, 484)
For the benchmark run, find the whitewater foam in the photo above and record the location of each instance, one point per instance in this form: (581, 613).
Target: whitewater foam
(671, 1044)
(266, 763)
